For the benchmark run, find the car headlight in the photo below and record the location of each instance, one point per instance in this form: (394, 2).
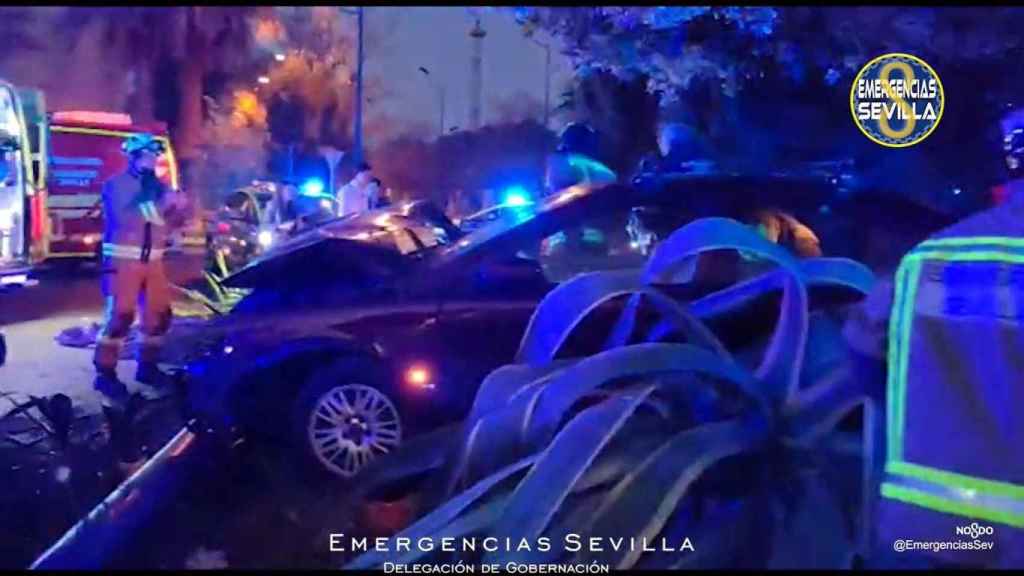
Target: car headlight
(265, 238)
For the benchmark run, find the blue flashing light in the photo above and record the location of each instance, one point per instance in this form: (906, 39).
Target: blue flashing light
(516, 196)
(312, 187)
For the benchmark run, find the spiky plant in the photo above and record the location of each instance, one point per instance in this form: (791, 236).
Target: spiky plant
(655, 439)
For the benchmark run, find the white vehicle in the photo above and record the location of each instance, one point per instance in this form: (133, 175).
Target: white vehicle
(17, 191)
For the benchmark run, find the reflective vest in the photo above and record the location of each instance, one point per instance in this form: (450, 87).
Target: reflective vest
(955, 394)
(135, 227)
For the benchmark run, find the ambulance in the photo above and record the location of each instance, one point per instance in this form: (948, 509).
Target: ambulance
(23, 233)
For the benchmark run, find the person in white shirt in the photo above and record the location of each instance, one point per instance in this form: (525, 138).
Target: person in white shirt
(354, 196)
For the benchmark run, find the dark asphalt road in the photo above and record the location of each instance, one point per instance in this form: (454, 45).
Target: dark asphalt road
(67, 289)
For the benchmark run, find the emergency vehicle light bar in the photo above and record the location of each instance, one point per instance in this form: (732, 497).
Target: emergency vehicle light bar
(90, 117)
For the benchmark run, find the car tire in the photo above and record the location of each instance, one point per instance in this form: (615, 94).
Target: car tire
(344, 417)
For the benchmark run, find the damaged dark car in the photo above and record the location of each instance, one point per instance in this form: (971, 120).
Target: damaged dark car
(381, 326)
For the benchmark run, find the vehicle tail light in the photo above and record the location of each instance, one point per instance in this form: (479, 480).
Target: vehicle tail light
(223, 227)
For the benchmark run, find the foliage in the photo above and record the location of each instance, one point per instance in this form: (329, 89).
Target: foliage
(654, 438)
(672, 46)
(756, 81)
(234, 146)
(490, 158)
(622, 112)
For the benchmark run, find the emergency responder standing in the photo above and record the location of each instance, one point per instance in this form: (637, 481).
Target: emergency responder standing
(353, 196)
(138, 212)
(944, 337)
(575, 160)
(679, 151)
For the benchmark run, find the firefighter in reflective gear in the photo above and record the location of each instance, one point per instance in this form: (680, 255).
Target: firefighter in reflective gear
(139, 211)
(945, 336)
(575, 160)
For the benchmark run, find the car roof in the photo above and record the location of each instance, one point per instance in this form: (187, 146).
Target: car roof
(706, 194)
(709, 194)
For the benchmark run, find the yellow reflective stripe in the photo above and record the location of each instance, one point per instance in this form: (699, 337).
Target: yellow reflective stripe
(151, 213)
(971, 256)
(974, 241)
(121, 250)
(122, 134)
(954, 480)
(899, 352)
(125, 251)
(937, 503)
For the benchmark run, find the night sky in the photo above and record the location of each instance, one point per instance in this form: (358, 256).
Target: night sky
(437, 38)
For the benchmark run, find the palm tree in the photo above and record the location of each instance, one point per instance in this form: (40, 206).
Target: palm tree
(197, 40)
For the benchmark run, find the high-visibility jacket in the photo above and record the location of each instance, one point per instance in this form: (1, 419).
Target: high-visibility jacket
(564, 170)
(955, 393)
(136, 222)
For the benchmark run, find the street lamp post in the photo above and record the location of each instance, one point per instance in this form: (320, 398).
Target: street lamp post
(357, 124)
(441, 94)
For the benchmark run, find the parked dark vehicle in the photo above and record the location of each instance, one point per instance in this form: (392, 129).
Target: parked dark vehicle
(382, 325)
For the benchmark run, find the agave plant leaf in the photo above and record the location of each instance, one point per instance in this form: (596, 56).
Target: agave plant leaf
(624, 326)
(641, 503)
(780, 369)
(562, 310)
(494, 440)
(815, 272)
(842, 474)
(635, 441)
(813, 412)
(574, 511)
(495, 394)
(838, 272)
(705, 235)
(675, 259)
(717, 538)
(816, 532)
(541, 493)
(498, 387)
(826, 350)
(635, 361)
(444, 515)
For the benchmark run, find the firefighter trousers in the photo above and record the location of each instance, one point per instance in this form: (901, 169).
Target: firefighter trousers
(128, 283)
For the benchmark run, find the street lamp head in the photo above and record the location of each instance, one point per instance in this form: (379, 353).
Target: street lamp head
(279, 57)
(263, 80)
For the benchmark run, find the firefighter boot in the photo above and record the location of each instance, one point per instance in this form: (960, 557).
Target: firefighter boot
(114, 392)
(149, 373)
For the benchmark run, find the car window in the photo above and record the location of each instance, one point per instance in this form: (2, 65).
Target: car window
(240, 207)
(597, 243)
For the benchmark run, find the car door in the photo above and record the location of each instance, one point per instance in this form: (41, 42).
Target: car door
(489, 307)
(482, 315)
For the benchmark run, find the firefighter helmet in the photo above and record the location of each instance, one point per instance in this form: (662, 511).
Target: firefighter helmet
(577, 138)
(142, 141)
